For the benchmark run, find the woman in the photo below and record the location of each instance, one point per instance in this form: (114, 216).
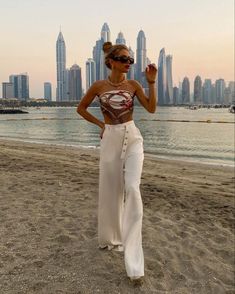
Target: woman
(121, 156)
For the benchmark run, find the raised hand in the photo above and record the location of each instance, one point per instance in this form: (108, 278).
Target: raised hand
(151, 73)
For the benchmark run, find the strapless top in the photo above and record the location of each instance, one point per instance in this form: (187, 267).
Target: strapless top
(116, 103)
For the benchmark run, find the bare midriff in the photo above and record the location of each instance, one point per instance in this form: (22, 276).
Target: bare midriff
(124, 119)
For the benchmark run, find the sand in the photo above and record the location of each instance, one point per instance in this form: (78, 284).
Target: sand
(48, 225)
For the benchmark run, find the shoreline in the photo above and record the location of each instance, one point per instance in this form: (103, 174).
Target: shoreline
(147, 154)
(48, 225)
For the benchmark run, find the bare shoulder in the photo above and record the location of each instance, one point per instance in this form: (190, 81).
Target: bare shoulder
(97, 84)
(134, 83)
(95, 88)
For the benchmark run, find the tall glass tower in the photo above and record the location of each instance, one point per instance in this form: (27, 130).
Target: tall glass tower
(131, 72)
(197, 90)
(105, 37)
(90, 72)
(219, 91)
(169, 82)
(105, 33)
(60, 66)
(141, 60)
(20, 86)
(162, 77)
(120, 39)
(75, 83)
(207, 92)
(47, 91)
(98, 55)
(185, 91)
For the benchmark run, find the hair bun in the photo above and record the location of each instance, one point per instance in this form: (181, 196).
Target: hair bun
(107, 46)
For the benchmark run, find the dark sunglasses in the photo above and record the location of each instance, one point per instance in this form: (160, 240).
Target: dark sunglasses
(124, 59)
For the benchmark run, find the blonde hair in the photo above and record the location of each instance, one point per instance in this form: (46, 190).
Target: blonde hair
(111, 51)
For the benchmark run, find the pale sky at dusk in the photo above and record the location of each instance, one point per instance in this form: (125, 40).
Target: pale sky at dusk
(198, 33)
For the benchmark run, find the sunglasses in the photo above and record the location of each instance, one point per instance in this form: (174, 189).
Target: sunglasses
(124, 59)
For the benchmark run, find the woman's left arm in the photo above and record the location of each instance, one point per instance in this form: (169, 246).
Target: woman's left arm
(148, 102)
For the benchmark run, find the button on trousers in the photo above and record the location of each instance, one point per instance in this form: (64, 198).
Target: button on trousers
(120, 209)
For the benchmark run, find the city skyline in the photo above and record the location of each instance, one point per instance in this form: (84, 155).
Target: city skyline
(200, 45)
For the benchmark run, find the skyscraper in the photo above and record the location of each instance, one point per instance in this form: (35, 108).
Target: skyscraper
(207, 92)
(162, 77)
(175, 95)
(66, 85)
(197, 90)
(7, 90)
(185, 91)
(75, 83)
(131, 72)
(61, 66)
(169, 81)
(180, 93)
(98, 54)
(47, 91)
(20, 85)
(97, 49)
(231, 86)
(120, 39)
(90, 72)
(141, 57)
(219, 91)
(105, 33)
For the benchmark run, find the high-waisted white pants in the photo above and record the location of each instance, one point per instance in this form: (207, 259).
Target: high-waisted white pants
(120, 205)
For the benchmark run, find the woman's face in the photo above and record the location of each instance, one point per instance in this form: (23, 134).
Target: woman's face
(122, 62)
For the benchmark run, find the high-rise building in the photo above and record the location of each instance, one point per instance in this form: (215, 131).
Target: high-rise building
(169, 80)
(131, 72)
(75, 83)
(7, 90)
(141, 57)
(231, 86)
(219, 91)
(207, 92)
(105, 37)
(213, 94)
(47, 91)
(185, 91)
(180, 93)
(97, 50)
(197, 90)
(227, 96)
(175, 95)
(14, 80)
(60, 66)
(105, 33)
(98, 55)
(120, 39)
(162, 77)
(20, 85)
(66, 85)
(90, 72)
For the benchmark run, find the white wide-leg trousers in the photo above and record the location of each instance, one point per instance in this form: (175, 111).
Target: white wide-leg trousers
(120, 210)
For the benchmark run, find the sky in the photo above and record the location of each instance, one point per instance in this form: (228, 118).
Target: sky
(199, 34)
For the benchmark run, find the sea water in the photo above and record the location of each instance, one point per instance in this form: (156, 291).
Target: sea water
(205, 135)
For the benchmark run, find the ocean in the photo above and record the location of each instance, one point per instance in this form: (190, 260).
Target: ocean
(202, 135)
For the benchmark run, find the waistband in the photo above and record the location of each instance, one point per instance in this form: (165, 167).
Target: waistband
(121, 126)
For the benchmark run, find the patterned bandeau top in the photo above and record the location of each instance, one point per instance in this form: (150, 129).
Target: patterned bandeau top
(116, 103)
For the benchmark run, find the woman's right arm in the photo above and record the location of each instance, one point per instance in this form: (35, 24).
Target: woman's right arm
(86, 101)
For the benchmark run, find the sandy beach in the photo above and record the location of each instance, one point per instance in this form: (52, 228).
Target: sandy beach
(48, 225)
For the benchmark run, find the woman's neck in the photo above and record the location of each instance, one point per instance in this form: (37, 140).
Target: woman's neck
(116, 78)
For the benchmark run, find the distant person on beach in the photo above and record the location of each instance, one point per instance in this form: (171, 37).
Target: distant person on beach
(120, 209)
